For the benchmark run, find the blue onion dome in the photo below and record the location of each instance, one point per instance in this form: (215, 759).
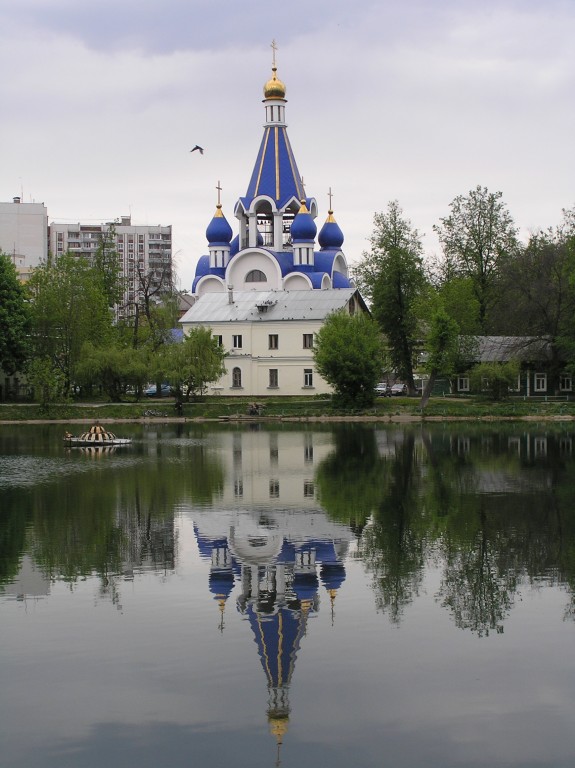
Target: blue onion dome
(303, 228)
(221, 584)
(330, 235)
(332, 575)
(219, 231)
(274, 88)
(305, 586)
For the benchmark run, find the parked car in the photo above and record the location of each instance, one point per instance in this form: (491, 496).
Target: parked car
(383, 390)
(152, 391)
(398, 389)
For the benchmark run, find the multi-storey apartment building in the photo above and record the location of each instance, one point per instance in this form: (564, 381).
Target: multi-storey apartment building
(24, 234)
(145, 253)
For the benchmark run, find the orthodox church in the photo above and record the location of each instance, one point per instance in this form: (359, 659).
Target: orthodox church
(266, 292)
(275, 248)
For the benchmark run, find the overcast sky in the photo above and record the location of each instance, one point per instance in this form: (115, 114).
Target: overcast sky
(409, 100)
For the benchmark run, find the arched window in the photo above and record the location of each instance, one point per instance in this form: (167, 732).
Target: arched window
(236, 377)
(256, 276)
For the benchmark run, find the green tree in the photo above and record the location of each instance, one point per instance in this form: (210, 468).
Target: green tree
(191, 365)
(349, 353)
(495, 379)
(539, 287)
(538, 284)
(46, 380)
(69, 308)
(154, 313)
(108, 266)
(460, 303)
(442, 346)
(14, 318)
(392, 278)
(112, 367)
(477, 237)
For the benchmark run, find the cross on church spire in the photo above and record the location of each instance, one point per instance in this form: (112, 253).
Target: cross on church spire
(219, 188)
(274, 48)
(330, 195)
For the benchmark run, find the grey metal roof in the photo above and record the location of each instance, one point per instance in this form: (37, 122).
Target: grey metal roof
(267, 306)
(500, 349)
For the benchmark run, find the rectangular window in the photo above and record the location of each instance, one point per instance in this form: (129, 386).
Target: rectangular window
(308, 377)
(540, 446)
(308, 341)
(463, 383)
(237, 341)
(220, 340)
(308, 489)
(274, 489)
(540, 382)
(565, 382)
(273, 341)
(273, 377)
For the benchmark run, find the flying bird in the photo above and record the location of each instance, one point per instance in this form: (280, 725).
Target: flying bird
(198, 147)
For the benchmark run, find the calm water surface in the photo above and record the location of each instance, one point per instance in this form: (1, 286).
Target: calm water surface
(350, 595)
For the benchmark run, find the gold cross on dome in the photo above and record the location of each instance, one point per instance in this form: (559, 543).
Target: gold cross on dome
(274, 48)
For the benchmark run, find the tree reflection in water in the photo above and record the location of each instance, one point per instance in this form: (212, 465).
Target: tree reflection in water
(492, 508)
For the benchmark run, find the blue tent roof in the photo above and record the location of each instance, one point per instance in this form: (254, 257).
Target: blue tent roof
(275, 173)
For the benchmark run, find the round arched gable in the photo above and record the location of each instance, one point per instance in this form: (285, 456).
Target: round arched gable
(297, 282)
(247, 262)
(210, 284)
(340, 264)
(263, 203)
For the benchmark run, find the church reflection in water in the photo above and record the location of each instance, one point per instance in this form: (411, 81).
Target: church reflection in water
(278, 558)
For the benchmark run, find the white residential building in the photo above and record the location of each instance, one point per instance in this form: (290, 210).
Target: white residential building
(145, 251)
(24, 233)
(268, 337)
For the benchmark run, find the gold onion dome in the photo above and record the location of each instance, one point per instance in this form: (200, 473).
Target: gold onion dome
(274, 88)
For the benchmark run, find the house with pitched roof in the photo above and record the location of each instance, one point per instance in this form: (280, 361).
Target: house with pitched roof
(269, 337)
(540, 374)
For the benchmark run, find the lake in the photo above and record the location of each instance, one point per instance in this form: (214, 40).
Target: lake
(288, 595)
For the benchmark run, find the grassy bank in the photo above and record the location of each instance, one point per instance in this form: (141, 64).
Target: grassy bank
(301, 408)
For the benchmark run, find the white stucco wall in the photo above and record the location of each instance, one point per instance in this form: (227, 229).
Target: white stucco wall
(255, 358)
